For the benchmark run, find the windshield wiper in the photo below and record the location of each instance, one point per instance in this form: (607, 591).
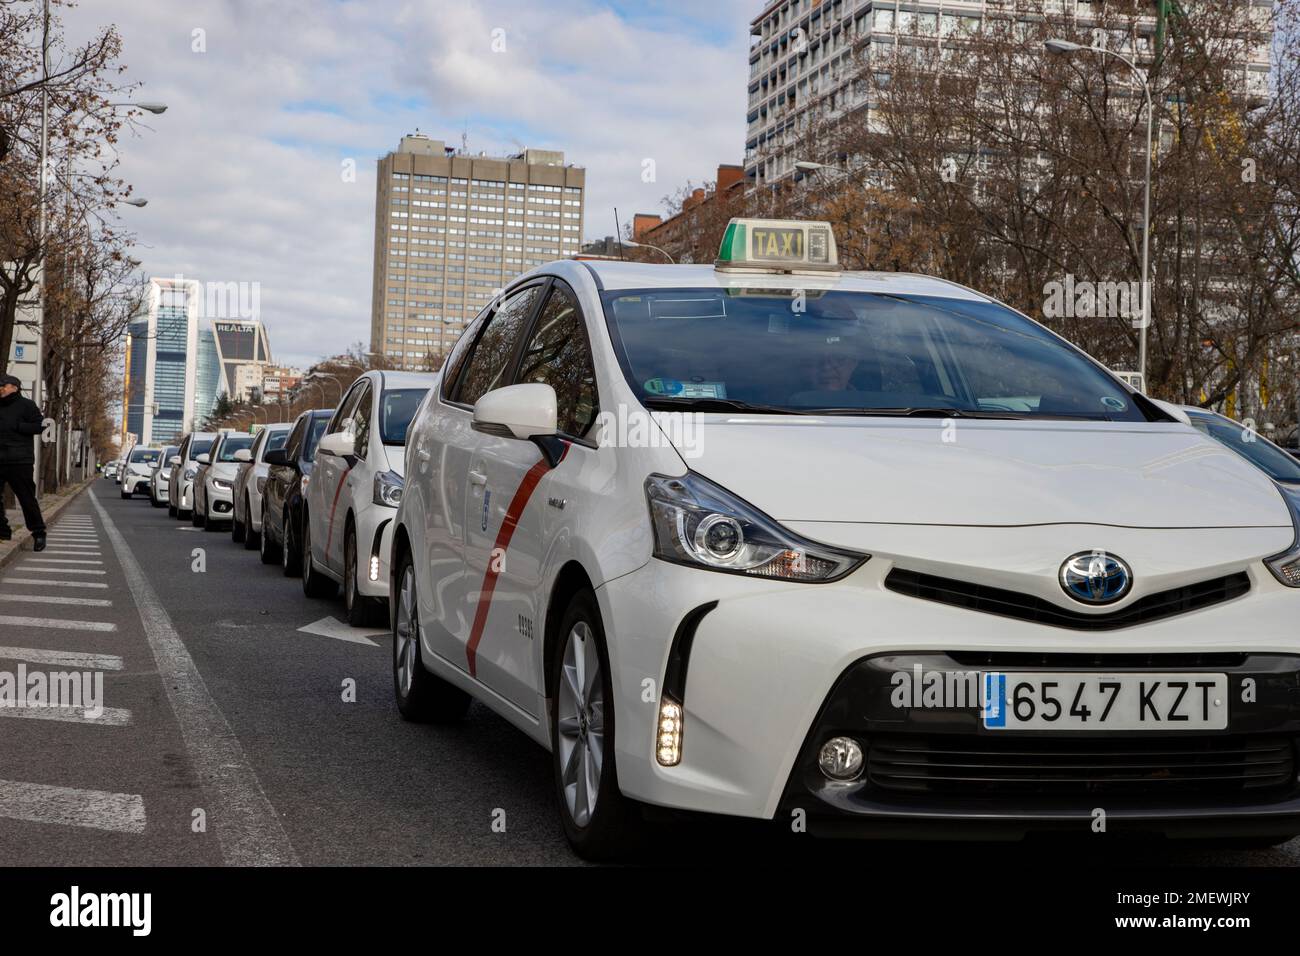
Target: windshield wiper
(671, 403)
(918, 412)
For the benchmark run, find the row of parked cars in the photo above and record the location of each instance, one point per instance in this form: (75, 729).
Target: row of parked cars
(316, 495)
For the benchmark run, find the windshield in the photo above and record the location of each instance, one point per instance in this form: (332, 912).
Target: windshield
(146, 455)
(1266, 456)
(232, 444)
(778, 351)
(200, 446)
(315, 429)
(397, 410)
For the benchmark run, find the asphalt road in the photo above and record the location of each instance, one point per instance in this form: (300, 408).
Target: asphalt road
(226, 736)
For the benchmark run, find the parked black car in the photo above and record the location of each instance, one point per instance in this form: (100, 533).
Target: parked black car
(288, 470)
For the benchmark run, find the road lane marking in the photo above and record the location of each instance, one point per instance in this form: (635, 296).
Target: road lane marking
(38, 569)
(56, 599)
(63, 561)
(84, 554)
(245, 822)
(333, 627)
(109, 716)
(74, 659)
(50, 583)
(54, 622)
(95, 809)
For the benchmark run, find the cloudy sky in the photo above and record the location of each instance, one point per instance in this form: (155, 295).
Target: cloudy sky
(244, 172)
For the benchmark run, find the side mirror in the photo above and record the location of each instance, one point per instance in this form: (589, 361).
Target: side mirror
(203, 459)
(339, 444)
(243, 455)
(517, 411)
(174, 460)
(277, 457)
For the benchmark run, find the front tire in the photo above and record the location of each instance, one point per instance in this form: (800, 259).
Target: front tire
(290, 558)
(599, 822)
(171, 510)
(252, 539)
(361, 609)
(421, 696)
(237, 528)
(268, 550)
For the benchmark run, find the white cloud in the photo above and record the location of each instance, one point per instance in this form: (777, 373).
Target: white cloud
(242, 173)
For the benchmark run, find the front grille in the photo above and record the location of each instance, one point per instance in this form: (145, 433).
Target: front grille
(1157, 766)
(1027, 607)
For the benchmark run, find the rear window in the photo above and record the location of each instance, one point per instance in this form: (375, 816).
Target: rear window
(1266, 456)
(232, 444)
(396, 411)
(314, 431)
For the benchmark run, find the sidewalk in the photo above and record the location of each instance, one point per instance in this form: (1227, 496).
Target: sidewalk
(51, 505)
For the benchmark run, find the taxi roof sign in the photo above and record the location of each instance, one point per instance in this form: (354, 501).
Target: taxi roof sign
(777, 245)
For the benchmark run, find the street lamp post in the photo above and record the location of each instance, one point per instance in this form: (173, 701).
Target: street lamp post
(646, 245)
(1067, 47)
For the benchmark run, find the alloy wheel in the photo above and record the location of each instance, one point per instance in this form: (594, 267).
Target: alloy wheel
(580, 711)
(406, 632)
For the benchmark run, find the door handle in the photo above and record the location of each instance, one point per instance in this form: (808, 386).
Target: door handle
(477, 478)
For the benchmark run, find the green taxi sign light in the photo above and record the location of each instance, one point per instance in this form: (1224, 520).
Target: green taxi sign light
(777, 245)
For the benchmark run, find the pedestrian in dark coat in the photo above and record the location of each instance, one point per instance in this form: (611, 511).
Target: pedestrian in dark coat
(20, 422)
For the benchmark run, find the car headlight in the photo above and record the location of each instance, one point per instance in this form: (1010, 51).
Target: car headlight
(221, 484)
(388, 489)
(701, 524)
(1286, 566)
(190, 472)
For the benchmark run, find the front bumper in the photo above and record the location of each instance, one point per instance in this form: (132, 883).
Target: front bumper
(131, 483)
(765, 659)
(937, 772)
(374, 543)
(220, 502)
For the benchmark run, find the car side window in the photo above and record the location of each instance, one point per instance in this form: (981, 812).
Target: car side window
(294, 443)
(361, 416)
(558, 354)
(459, 352)
(258, 442)
(489, 365)
(346, 409)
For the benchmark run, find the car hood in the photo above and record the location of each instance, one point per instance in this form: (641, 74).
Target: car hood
(981, 473)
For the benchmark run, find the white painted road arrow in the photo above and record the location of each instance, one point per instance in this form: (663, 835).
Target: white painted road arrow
(332, 627)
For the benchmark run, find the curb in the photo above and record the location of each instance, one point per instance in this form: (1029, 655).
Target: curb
(24, 536)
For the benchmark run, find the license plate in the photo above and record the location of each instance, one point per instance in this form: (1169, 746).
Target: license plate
(1154, 702)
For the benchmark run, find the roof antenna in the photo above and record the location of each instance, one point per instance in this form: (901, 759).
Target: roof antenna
(618, 234)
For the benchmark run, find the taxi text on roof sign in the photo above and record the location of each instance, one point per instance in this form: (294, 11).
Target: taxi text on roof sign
(777, 245)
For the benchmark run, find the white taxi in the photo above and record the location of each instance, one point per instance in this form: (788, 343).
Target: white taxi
(864, 553)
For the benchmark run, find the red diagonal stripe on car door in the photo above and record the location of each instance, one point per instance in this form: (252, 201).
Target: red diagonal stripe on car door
(517, 505)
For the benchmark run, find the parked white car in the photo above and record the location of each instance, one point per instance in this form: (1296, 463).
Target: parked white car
(246, 526)
(185, 465)
(355, 489)
(930, 568)
(158, 476)
(139, 464)
(215, 482)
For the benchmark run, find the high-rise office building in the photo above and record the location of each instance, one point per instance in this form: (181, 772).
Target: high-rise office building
(162, 362)
(807, 57)
(451, 229)
(242, 351)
